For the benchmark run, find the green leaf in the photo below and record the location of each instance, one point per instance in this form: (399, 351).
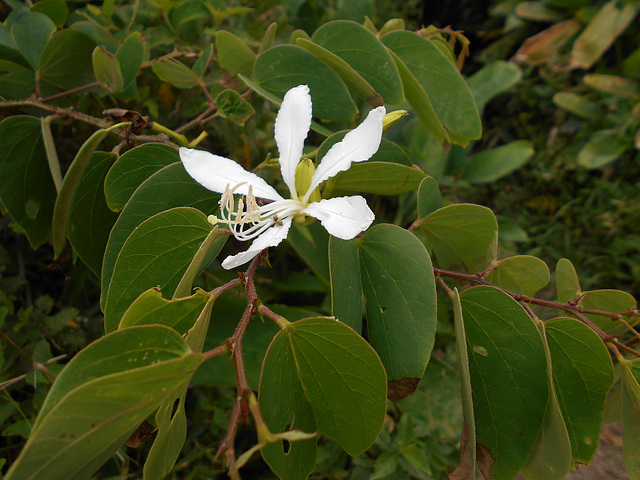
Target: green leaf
(65, 62)
(400, 298)
(631, 417)
(621, 86)
(174, 72)
(234, 54)
(567, 283)
(341, 376)
(600, 33)
(90, 219)
(490, 165)
(100, 398)
(550, 458)
(31, 34)
(609, 301)
(56, 10)
(285, 66)
(604, 147)
(130, 56)
(461, 234)
(493, 79)
(443, 84)
(69, 188)
(157, 253)
(381, 178)
(169, 187)
(520, 274)
(509, 380)
(133, 168)
(346, 287)
(233, 107)
(577, 104)
(106, 68)
(467, 467)
(151, 309)
(269, 37)
(27, 189)
(311, 243)
(99, 34)
(429, 197)
(200, 66)
(16, 81)
(363, 52)
(582, 374)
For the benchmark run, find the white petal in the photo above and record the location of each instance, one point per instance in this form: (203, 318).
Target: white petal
(292, 125)
(215, 173)
(343, 217)
(357, 146)
(272, 237)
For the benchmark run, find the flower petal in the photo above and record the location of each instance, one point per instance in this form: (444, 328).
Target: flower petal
(215, 173)
(270, 238)
(343, 217)
(357, 146)
(291, 128)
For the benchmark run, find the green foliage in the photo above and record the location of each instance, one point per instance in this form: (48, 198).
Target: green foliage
(97, 103)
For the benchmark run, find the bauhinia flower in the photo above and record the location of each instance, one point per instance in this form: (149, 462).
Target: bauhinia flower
(268, 224)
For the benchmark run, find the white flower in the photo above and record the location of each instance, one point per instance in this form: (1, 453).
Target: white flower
(269, 224)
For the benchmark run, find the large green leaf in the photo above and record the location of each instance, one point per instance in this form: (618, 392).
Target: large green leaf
(30, 34)
(100, 398)
(520, 274)
(609, 301)
(285, 66)
(27, 189)
(443, 84)
(461, 234)
(311, 242)
(130, 56)
(490, 165)
(90, 219)
(429, 197)
(175, 72)
(362, 50)
(234, 54)
(509, 380)
(133, 168)
(16, 81)
(631, 417)
(157, 253)
(400, 298)
(381, 178)
(106, 68)
(342, 380)
(492, 79)
(604, 147)
(583, 374)
(169, 187)
(346, 287)
(65, 61)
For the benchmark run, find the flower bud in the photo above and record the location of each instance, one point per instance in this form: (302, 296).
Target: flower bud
(304, 173)
(391, 118)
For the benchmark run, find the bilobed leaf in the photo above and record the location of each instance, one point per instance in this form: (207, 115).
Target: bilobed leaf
(157, 253)
(285, 66)
(631, 417)
(174, 72)
(492, 79)
(233, 107)
(169, 187)
(69, 188)
(346, 287)
(609, 301)
(90, 219)
(520, 274)
(490, 165)
(130, 56)
(16, 81)
(582, 374)
(106, 68)
(364, 53)
(567, 283)
(151, 309)
(461, 234)
(27, 189)
(441, 81)
(134, 167)
(342, 378)
(100, 398)
(400, 298)
(234, 54)
(65, 61)
(508, 377)
(466, 470)
(30, 34)
(601, 32)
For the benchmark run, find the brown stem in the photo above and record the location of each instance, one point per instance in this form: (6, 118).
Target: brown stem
(72, 91)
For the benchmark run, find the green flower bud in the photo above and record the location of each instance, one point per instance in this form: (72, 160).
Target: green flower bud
(391, 118)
